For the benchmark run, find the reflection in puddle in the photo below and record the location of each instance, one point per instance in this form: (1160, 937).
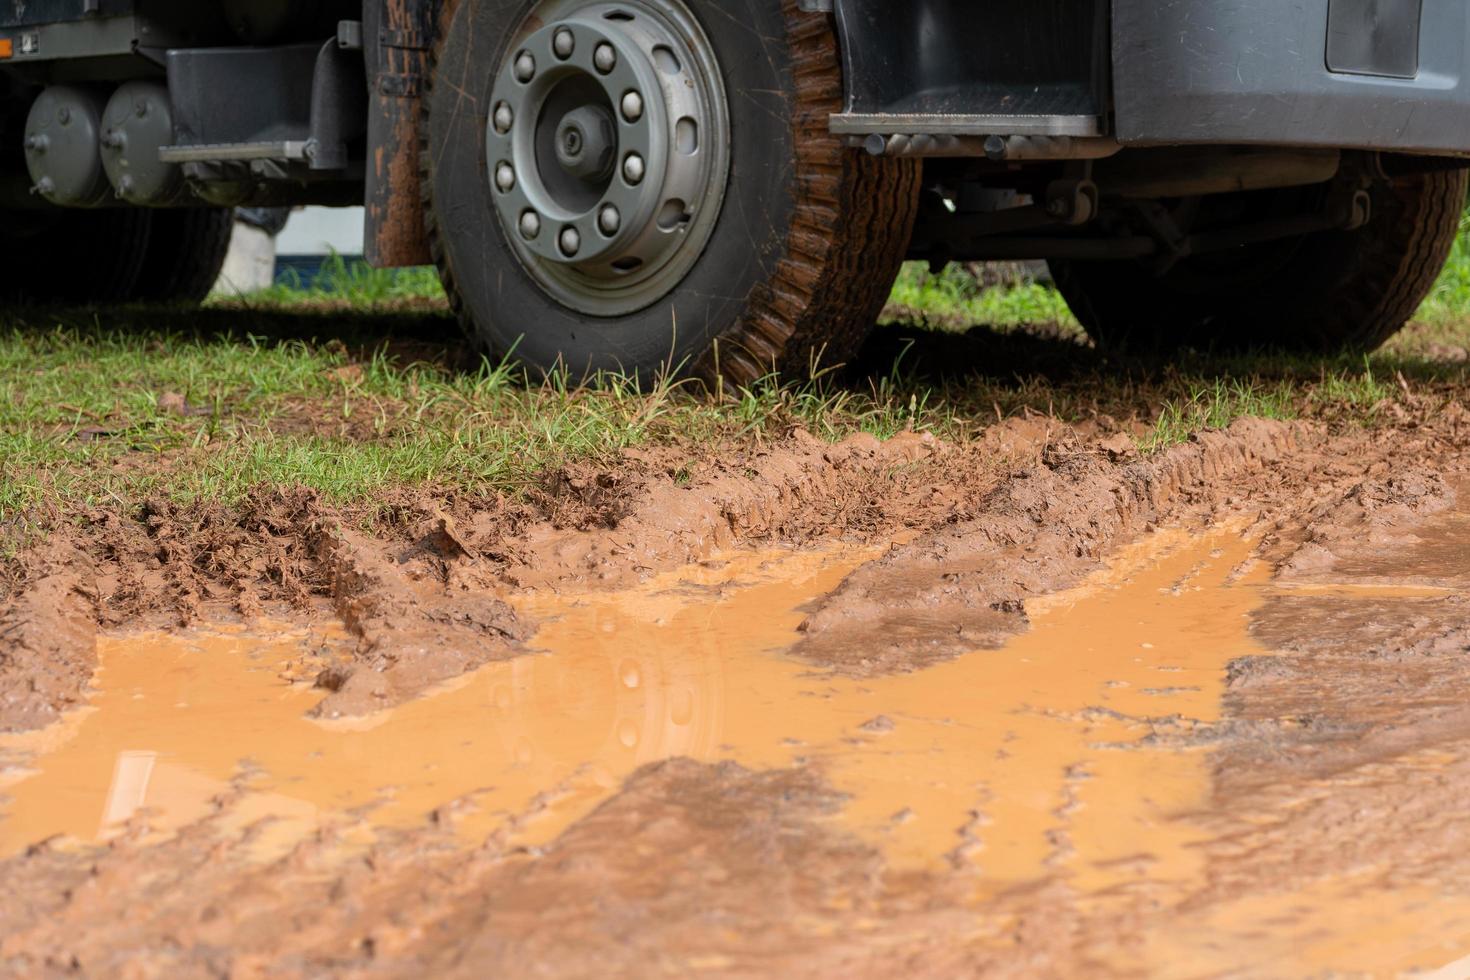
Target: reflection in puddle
(1007, 766)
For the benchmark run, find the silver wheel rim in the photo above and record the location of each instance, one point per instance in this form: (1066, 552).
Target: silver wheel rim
(608, 150)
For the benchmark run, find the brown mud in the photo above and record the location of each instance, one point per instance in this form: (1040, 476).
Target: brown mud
(1035, 706)
(426, 602)
(964, 586)
(48, 642)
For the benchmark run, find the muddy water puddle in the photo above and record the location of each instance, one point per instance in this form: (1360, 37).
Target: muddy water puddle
(1034, 762)
(184, 726)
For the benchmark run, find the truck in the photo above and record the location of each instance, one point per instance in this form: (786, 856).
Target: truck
(728, 188)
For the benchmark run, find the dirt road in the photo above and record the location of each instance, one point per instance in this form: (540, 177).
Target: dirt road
(1033, 706)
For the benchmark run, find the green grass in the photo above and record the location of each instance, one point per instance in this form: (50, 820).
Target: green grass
(1449, 303)
(321, 388)
(355, 285)
(90, 416)
(1215, 405)
(955, 299)
(1360, 393)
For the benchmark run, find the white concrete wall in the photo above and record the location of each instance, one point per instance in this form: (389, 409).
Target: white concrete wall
(322, 231)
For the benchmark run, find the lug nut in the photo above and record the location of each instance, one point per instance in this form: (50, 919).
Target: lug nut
(633, 169)
(505, 178)
(37, 144)
(609, 220)
(530, 224)
(605, 58)
(564, 43)
(570, 241)
(505, 118)
(632, 107)
(525, 67)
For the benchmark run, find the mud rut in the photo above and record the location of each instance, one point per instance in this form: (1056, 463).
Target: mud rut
(1033, 706)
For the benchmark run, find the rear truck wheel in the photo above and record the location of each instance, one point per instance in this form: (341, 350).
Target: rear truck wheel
(72, 256)
(1320, 293)
(186, 251)
(112, 255)
(645, 184)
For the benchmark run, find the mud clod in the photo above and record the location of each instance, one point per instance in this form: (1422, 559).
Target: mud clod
(413, 632)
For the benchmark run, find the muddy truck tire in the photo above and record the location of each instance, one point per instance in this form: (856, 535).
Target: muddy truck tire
(113, 255)
(72, 256)
(651, 185)
(1322, 293)
(186, 251)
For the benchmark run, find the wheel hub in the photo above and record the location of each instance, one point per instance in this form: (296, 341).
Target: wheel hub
(585, 143)
(608, 150)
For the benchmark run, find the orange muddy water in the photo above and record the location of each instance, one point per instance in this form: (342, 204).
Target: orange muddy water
(1009, 767)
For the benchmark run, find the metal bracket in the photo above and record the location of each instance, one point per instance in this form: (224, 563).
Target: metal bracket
(1072, 201)
(349, 35)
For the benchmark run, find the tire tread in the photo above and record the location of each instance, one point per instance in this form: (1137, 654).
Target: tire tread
(850, 229)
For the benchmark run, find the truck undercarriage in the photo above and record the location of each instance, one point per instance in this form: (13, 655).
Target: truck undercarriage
(727, 188)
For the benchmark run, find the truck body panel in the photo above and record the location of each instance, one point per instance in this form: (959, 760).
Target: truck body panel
(1361, 74)
(1368, 74)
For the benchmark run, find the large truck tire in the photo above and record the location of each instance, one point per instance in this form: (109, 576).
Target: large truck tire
(72, 256)
(742, 240)
(186, 251)
(1321, 293)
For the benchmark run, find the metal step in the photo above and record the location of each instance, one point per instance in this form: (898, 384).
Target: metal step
(948, 124)
(230, 152)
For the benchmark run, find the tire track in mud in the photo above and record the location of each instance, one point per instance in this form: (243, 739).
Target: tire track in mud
(426, 603)
(802, 491)
(695, 866)
(412, 635)
(964, 586)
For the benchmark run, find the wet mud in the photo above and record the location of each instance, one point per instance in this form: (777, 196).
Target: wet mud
(964, 586)
(48, 643)
(1065, 712)
(689, 666)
